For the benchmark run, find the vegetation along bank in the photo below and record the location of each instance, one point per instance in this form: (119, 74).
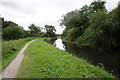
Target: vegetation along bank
(11, 48)
(43, 60)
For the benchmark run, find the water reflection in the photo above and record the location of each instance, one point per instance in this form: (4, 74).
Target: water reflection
(58, 43)
(110, 59)
(50, 41)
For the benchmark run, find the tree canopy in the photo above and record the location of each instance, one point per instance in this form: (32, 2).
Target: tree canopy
(50, 30)
(35, 31)
(93, 25)
(12, 30)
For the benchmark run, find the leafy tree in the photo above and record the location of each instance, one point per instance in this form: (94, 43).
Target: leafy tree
(15, 32)
(80, 18)
(113, 26)
(50, 30)
(27, 33)
(73, 33)
(35, 31)
(69, 19)
(8, 23)
(93, 8)
(93, 25)
(97, 5)
(74, 19)
(31, 28)
(102, 31)
(12, 30)
(97, 25)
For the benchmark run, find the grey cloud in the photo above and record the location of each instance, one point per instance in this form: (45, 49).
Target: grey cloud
(42, 12)
(19, 7)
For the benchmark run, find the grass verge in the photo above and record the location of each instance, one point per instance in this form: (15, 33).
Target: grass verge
(11, 48)
(43, 60)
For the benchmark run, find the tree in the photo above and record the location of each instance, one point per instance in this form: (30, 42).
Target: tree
(15, 32)
(35, 31)
(93, 25)
(97, 5)
(113, 26)
(12, 30)
(80, 18)
(27, 33)
(8, 24)
(103, 29)
(50, 30)
(74, 19)
(69, 20)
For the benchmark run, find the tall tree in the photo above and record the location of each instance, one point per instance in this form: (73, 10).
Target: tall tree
(97, 5)
(8, 23)
(15, 32)
(74, 19)
(50, 30)
(35, 31)
(12, 30)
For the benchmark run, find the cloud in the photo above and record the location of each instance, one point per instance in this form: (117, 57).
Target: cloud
(20, 7)
(111, 4)
(42, 12)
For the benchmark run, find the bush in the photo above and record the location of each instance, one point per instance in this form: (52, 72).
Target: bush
(8, 47)
(11, 48)
(15, 32)
(73, 33)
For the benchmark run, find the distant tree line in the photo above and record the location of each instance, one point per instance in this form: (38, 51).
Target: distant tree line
(12, 31)
(93, 25)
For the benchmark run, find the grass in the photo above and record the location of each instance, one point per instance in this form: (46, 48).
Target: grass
(43, 60)
(10, 49)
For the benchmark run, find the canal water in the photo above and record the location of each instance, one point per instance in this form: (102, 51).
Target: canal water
(109, 59)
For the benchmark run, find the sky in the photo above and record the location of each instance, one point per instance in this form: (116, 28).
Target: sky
(42, 12)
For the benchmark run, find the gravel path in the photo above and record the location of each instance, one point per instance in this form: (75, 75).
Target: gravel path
(11, 70)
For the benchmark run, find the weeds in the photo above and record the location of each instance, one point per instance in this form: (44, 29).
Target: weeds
(11, 48)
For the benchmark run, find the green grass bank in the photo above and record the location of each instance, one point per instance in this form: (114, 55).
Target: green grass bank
(43, 60)
(11, 48)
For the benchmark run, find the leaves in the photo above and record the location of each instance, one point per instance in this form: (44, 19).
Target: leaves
(50, 30)
(35, 31)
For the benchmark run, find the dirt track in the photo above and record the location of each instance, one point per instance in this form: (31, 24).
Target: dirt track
(11, 70)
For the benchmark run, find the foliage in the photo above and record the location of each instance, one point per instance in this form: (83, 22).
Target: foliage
(28, 33)
(80, 18)
(12, 30)
(87, 37)
(8, 23)
(102, 31)
(97, 5)
(11, 48)
(74, 19)
(15, 32)
(35, 31)
(50, 62)
(95, 26)
(73, 33)
(50, 30)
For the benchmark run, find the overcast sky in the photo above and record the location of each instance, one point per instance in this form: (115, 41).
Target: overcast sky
(42, 12)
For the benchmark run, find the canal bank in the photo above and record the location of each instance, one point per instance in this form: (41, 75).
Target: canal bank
(108, 59)
(43, 60)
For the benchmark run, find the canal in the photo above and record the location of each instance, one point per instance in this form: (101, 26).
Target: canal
(109, 59)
